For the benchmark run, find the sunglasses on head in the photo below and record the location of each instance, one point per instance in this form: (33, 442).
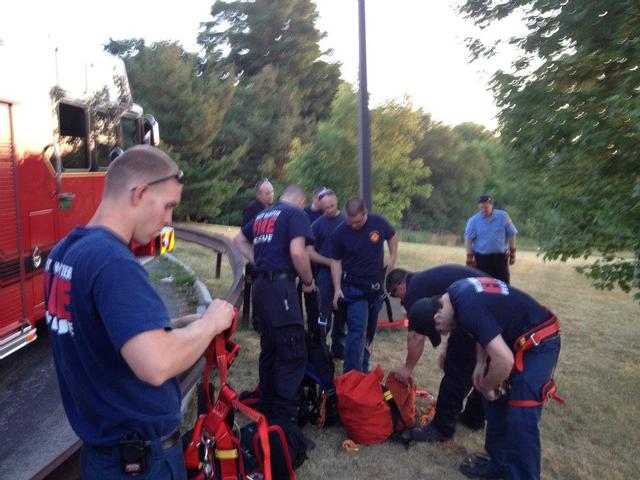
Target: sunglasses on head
(178, 176)
(325, 193)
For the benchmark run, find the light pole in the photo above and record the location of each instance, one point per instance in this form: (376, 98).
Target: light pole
(365, 128)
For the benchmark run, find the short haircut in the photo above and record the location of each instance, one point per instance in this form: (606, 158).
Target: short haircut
(485, 199)
(394, 278)
(318, 191)
(261, 182)
(354, 206)
(137, 165)
(293, 193)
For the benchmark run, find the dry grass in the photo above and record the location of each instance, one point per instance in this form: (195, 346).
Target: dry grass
(594, 436)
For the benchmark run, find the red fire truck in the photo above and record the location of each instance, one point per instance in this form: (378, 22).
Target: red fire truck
(63, 118)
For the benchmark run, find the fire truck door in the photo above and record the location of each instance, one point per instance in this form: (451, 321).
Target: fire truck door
(12, 295)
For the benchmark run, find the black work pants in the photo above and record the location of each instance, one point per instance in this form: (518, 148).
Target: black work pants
(495, 264)
(456, 384)
(283, 350)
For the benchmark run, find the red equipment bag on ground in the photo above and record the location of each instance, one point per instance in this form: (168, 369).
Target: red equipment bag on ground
(404, 395)
(367, 408)
(213, 450)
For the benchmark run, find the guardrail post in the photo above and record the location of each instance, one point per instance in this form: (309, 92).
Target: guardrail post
(218, 264)
(246, 299)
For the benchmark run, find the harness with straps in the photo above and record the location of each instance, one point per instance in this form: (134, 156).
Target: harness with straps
(214, 451)
(547, 330)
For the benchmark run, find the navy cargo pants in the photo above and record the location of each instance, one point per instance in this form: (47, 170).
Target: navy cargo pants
(283, 351)
(513, 438)
(455, 385)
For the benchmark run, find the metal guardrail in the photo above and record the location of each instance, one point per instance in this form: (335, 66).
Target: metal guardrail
(223, 246)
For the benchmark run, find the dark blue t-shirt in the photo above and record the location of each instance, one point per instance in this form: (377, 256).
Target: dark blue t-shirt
(322, 230)
(487, 307)
(250, 211)
(312, 214)
(271, 233)
(362, 251)
(435, 281)
(97, 297)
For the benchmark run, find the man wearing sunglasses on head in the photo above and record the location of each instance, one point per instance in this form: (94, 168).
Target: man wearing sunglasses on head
(117, 357)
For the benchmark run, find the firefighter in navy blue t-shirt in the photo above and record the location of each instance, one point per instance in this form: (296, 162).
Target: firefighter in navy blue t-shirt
(264, 198)
(320, 253)
(116, 354)
(457, 360)
(357, 271)
(275, 242)
(518, 347)
(314, 211)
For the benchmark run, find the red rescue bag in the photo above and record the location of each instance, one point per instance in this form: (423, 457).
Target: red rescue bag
(367, 409)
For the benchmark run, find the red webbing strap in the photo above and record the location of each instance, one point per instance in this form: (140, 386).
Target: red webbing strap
(192, 452)
(226, 453)
(532, 338)
(217, 355)
(549, 392)
(262, 433)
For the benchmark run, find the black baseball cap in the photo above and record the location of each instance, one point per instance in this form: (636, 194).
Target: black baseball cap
(421, 319)
(485, 199)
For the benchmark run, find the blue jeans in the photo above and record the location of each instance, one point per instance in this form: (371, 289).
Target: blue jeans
(513, 438)
(161, 464)
(362, 320)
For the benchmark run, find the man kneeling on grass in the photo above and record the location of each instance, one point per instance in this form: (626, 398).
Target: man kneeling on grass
(518, 347)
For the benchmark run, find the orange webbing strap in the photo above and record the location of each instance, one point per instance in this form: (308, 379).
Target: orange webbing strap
(549, 391)
(532, 338)
(264, 455)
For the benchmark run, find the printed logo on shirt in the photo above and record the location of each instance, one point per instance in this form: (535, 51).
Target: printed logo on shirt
(489, 285)
(58, 313)
(264, 225)
(374, 236)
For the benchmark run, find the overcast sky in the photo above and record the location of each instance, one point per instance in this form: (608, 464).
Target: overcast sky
(414, 47)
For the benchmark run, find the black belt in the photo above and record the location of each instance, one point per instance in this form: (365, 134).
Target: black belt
(166, 443)
(274, 275)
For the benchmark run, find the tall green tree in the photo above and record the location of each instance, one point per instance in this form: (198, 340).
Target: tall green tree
(570, 116)
(285, 87)
(332, 159)
(189, 101)
(459, 168)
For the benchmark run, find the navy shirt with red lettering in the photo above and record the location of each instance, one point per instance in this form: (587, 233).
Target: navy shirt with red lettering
(271, 233)
(98, 297)
(362, 251)
(487, 307)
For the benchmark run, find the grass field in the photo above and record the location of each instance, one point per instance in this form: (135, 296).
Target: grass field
(594, 436)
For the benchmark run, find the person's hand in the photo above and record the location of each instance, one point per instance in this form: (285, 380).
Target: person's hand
(220, 315)
(308, 288)
(402, 373)
(512, 256)
(478, 377)
(337, 296)
(389, 264)
(491, 394)
(471, 261)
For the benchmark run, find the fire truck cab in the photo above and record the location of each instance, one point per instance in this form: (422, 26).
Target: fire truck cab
(63, 119)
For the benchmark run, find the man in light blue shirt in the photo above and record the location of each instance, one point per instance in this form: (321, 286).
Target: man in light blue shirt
(490, 240)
